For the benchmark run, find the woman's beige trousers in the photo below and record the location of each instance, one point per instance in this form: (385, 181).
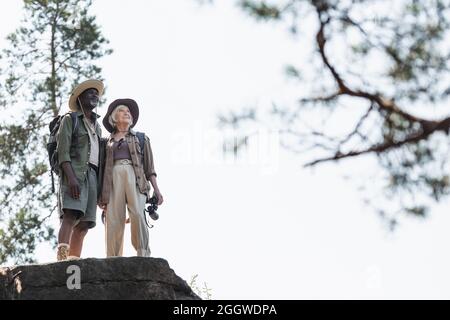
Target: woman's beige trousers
(125, 193)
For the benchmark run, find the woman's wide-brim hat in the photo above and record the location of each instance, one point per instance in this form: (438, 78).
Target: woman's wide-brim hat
(88, 84)
(130, 103)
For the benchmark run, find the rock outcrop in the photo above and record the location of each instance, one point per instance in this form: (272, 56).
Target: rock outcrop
(111, 278)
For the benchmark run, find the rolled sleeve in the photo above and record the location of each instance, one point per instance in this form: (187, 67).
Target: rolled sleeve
(64, 140)
(149, 166)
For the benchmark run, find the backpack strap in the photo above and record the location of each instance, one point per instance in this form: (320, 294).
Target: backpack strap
(75, 125)
(73, 116)
(141, 138)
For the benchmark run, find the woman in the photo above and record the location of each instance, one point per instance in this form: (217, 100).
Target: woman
(127, 173)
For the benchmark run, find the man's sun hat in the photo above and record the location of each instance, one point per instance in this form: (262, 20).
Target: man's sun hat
(88, 84)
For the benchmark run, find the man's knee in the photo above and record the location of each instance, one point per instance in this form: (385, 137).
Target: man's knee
(70, 216)
(82, 228)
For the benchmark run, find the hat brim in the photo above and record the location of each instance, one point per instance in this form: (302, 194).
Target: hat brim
(130, 103)
(88, 84)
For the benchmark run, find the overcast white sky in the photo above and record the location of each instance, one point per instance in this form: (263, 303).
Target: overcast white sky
(263, 228)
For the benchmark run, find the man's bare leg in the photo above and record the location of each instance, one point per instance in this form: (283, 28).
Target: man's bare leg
(68, 221)
(65, 232)
(76, 241)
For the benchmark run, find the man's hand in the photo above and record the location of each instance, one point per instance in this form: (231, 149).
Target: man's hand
(74, 188)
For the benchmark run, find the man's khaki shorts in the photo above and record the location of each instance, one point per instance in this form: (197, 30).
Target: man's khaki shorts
(86, 205)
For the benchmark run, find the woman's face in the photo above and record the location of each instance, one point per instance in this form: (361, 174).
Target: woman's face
(124, 116)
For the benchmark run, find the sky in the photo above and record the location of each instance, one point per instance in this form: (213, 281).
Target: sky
(262, 226)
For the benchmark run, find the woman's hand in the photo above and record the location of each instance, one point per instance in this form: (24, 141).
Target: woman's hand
(159, 196)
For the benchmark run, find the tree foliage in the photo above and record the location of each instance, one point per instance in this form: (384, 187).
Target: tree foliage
(384, 66)
(55, 47)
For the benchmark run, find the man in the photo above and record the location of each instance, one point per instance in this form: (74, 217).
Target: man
(79, 159)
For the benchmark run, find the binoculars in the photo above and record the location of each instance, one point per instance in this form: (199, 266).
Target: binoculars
(152, 207)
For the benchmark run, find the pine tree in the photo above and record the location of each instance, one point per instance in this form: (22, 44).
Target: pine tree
(386, 65)
(56, 47)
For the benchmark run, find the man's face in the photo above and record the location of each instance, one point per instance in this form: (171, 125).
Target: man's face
(89, 98)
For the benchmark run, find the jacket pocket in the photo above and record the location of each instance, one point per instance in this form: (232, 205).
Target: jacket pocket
(83, 139)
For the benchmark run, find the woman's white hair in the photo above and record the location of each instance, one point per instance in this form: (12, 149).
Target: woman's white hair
(112, 118)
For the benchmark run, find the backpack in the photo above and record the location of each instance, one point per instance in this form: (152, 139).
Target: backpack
(52, 145)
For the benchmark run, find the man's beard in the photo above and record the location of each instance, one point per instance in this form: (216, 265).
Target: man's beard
(93, 103)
